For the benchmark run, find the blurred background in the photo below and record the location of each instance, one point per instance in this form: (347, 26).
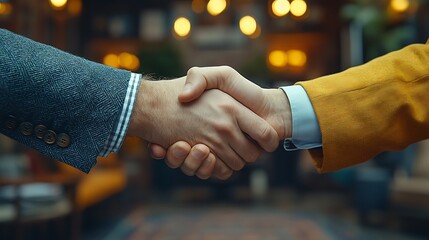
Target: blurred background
(271, 42)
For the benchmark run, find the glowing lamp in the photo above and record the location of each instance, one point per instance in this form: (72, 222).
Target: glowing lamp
(111, 60)
(216, 7)
(298, 8)
(399, 5)
(277, 58)
(182, 27)
(58, 4)
(248, 25)
(296, 58)
(280, 7)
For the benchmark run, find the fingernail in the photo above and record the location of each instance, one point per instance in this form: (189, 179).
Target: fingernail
(197, 153)
(179, 153)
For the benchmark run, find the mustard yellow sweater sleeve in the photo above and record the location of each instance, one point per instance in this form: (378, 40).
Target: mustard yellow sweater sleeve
(379, 106)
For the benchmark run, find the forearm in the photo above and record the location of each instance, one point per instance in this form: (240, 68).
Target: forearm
(44, 86)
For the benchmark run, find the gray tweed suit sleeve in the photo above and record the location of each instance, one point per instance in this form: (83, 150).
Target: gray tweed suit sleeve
(43, 86)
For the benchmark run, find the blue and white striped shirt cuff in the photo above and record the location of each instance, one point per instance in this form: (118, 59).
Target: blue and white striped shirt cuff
(116, 137)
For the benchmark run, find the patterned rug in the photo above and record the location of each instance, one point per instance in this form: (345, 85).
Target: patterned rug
(238, 223)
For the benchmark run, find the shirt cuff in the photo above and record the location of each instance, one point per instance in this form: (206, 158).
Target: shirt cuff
(117, 136)
(305, 127)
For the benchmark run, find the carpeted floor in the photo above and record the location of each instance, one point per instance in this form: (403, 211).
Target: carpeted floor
(235, 223)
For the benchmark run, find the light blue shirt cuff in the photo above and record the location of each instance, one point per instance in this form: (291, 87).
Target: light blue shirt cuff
(305, 127)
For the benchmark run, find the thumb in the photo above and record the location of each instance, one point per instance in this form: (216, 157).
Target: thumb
(195, 85)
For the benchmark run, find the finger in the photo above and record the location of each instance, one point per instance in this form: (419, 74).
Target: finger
(177, 153)
(227, 153)
(257, 128)
(221, 170)
(195, 159)
(157, 151)
(245, 148)
(207, 168)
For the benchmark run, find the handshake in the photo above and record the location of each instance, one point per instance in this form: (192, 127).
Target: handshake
(211, 122)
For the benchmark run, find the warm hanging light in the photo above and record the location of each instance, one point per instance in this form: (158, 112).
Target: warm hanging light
(182, 27)
(124, 60)
(277, 58)
(298, 7)
(58, 4)
(111, 60)
(248, 25)
(280, 7)
(400, 5)
(216, 7)
(5, 8)
(296, 58)
(129, 61)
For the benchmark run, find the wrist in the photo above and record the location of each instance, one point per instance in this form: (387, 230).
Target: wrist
(280, 113)
(156, 110)
(145, 100)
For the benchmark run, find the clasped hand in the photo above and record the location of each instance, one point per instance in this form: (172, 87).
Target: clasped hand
(214, 125)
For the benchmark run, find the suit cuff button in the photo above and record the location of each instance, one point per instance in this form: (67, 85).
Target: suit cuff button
(26, 128)
(63, 140)
(40, 131)
(289, 145)
(50, 137)
(11, 122)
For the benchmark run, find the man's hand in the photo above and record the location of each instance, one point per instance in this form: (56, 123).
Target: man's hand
(215, 120)
(270, 104)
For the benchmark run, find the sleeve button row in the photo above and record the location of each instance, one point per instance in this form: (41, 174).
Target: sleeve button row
(40, 131)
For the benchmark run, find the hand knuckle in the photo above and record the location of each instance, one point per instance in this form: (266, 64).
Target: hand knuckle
(265, 133)
(192, 70)
(223, 127)
(227, 68)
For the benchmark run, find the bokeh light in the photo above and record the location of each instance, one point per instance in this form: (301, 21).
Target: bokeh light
(296, 58)
(5, 8)
(298, 7)
(111, 60)
(280, 7)
(75, 7)
(216, 7)
(129, 61)
(198, 6)
(59, 4)
(248, 25)
(124, 60)
(277, 58)
(182, 27)
(400, 5)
